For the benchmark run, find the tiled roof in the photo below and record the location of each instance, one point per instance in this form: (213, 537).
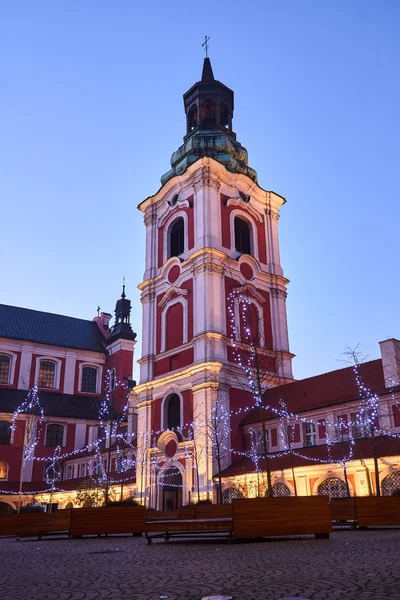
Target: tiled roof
(54, 404)
(329, 389)
(47, 328)
(385, 445)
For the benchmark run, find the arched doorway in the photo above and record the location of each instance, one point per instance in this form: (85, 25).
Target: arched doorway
(333, 487)
(171, 482)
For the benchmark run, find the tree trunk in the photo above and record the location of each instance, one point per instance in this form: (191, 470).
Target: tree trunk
(346, 479)
(266, 454)
(294, 478)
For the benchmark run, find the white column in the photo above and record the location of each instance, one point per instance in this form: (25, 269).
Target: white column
(69, 375)
(25, 367)
(272, 240)
(80, 436)
(150, 221)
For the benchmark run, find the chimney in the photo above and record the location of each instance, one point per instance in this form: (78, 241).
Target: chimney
(390, 352)
(103, 323)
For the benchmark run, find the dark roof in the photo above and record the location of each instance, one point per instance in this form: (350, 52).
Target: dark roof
(47, 328)
(335, 387)
(386, 446)
(54, 404)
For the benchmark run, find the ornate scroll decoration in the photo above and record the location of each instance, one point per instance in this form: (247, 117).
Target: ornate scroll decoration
(205, 180)
(172, 290)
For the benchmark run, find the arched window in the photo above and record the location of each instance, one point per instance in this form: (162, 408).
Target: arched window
(3, 470)
(47, 374)
(208, 113)
(89, 380)
(249, 322)
(5, 432)
(192, 118)
(230, 494)
(173, 412)
(391, 484)
(224, 115)
(54, 435)
(242, 236)
(333, 487)
(5, 368)
(279, 489)
(52, 472)
(177, 238)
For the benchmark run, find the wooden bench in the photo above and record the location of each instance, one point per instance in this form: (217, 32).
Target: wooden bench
(264, 517)
(343, 510)
(157, 515)
(213, 511)
(107, 520)
(209, 528)
(375, 511)
(47, 524)
(8, 524)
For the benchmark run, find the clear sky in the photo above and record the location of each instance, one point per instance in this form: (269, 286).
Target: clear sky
(91, 110)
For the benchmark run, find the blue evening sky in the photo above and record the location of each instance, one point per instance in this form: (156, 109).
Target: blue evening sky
(91, 110)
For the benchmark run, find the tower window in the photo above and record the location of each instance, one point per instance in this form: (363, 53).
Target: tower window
(173, 412)
(242, 236)
(177, 238)
(47, 374)
(89, 380)
(54, 435)
(208, 113)
(5, 363)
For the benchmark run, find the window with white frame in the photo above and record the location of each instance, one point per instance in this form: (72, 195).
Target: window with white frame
(243, 236)
(54, 435)
(47, 374)
(52, 472)
(5, 432)
(310, 434)
(5, 368)
(257, 441)
(360, 428)
(89, 380)
(68, 472)
(82, 470)
(176, 238)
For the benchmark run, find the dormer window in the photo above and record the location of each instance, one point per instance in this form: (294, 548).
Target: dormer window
(47, 374)
(243, 236)
(5, 432)
(177, 238)
(5, 368)
(89, 380)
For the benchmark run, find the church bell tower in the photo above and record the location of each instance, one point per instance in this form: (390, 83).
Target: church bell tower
(211, 231)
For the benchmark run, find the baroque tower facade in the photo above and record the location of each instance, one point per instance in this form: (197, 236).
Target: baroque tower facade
(211, 231)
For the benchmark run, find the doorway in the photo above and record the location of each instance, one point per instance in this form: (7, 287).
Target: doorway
(172, 489)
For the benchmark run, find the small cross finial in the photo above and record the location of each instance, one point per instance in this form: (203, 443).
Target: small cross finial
(205, 44)
(98, 311)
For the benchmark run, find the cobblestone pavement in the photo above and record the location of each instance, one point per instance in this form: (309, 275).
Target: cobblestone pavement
(356, 565)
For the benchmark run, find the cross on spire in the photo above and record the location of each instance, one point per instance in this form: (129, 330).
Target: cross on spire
(205, 44)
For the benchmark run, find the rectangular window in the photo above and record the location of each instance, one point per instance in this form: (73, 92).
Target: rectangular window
(68, 472)
(83, 470)
(396, 415)
(89, 380)
(310, 436)
(5, 363)
(47, 374)
(359, 429)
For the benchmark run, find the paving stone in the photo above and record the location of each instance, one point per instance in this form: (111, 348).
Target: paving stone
(352, 565)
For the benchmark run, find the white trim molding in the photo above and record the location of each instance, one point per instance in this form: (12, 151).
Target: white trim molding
(253, 232)
(63, 425)
(166, 397)
(57, 371)
(99, 375)
(13, 362)
(167, 306)
(168, 294)
(166, 235)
